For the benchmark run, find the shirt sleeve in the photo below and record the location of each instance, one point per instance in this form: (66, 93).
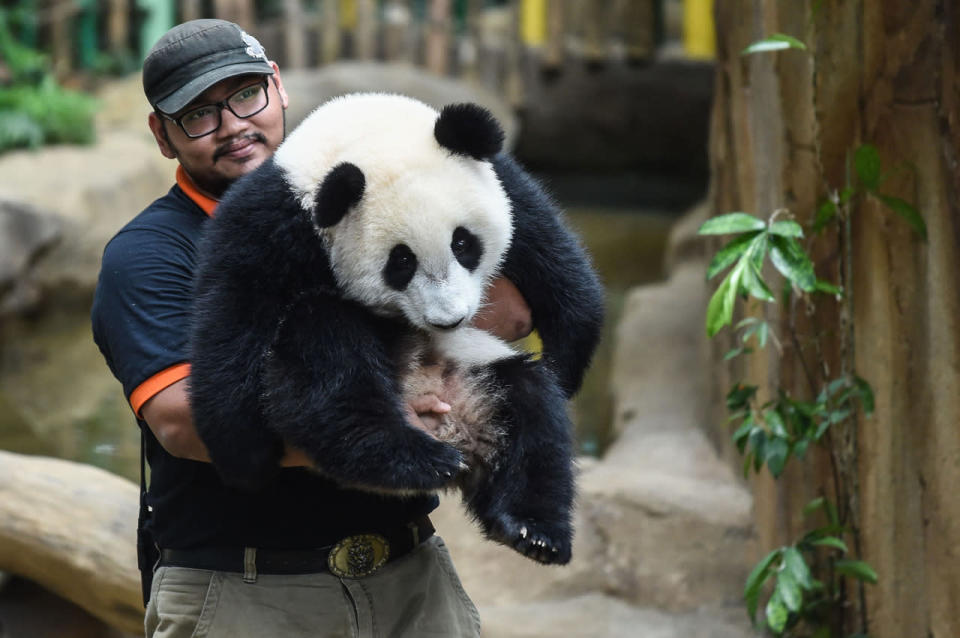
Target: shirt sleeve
(141, 311)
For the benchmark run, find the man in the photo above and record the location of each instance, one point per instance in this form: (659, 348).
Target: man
(236, 563)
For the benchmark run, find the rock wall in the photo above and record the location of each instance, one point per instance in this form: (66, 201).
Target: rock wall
(883, 72)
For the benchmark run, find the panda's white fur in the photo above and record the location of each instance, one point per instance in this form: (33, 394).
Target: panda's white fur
(416, 193)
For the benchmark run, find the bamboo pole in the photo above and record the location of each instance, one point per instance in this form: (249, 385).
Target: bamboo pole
(295, 50)
(438, 36)
(329, 31)
(118, 26)
(366, 30)
(553, 49)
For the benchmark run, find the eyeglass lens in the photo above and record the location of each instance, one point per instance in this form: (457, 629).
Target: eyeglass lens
(246, 102)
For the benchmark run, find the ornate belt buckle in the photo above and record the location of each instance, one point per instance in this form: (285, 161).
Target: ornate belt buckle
(358, 556)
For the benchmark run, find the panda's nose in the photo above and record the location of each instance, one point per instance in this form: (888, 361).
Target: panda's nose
(448, 326)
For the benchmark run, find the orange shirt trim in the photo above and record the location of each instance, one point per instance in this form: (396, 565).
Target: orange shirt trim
(161, 380)
(187, 186)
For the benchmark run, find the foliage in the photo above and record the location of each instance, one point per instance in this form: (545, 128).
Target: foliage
(805, 583)
(34, 110)
(776, 42)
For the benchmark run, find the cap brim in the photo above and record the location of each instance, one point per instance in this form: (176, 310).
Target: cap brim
(192, 89)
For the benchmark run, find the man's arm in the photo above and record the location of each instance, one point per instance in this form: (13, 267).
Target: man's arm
(169, 417)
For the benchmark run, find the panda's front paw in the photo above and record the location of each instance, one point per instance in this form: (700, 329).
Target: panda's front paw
(542, 542)
(433, 467)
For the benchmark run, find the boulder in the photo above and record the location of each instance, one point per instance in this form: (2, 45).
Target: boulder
(26, 234)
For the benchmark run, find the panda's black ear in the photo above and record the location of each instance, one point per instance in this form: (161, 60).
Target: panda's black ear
(469, 129)
(341, 188)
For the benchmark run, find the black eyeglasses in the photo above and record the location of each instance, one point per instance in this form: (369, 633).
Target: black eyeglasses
(204, 120)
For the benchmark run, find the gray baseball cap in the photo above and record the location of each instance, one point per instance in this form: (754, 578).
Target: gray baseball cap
(193, 56)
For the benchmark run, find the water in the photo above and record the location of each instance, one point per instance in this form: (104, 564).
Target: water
(58, 398)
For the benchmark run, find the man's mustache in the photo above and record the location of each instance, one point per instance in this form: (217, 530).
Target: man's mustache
(226, 147)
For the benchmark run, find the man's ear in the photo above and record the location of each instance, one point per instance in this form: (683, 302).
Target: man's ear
(278, 82)
(160, 134)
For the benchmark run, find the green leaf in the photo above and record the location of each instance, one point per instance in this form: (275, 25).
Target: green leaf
(908, 212)
(789, 590)
(856, 568)
(800, 448)
(776, 42)
(825, 212)
(832, 541)
(758, 443)
(828, 288)
(794, 564)
(740, 395)
(821, 632)
(866, 395)
(846, 194)
(754, 284)
(736, 352)
(758, 576)
(786, 229)
(775, 420)
(740, 436)
(776, 614)
(814, 505)
(775, 452)
(716, 312)
(731, 223)
(866, 162)
(792, 262)
(729, 254)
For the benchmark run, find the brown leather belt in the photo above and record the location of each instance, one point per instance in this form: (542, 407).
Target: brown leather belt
(352, 557)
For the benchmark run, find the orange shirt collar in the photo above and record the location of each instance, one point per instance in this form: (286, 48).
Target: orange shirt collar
(187, 186)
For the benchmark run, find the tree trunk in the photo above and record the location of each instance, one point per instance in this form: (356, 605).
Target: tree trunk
(880, 72)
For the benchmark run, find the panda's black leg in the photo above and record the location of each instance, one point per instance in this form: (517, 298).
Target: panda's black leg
(526, 500)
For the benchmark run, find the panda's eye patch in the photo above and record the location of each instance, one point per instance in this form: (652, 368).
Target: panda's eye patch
(466, 248)
(400, 268)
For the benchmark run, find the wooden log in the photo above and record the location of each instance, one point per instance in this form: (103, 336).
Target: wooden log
(71, 528)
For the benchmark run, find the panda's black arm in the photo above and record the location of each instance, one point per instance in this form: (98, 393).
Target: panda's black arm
(253, 256)
(553, 273)
(331, 390)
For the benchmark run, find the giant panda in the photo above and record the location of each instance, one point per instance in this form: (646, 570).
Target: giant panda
(340, 278)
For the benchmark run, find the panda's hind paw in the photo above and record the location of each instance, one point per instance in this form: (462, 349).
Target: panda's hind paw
(544, 543)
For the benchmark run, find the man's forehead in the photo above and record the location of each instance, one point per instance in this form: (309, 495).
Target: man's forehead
(223, 88)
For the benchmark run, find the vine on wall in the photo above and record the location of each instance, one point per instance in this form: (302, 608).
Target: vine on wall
(807, 588)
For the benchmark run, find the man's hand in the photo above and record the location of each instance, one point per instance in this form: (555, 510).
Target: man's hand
(506, 313)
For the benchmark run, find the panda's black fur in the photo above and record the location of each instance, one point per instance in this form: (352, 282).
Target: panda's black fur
(278, 354)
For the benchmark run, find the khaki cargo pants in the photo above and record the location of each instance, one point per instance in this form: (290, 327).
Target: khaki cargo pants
(416, 596)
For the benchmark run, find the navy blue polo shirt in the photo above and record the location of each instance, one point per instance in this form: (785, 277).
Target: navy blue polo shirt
(141, 315)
